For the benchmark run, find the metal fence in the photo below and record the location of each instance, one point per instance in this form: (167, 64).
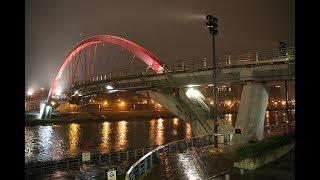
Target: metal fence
(145, 163)
(232, 60)
(67, 164)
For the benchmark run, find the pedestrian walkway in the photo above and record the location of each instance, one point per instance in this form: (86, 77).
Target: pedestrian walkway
(198, 163)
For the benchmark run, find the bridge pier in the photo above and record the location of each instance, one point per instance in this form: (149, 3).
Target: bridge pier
(191, 108)
(46, 112)
(251, 114)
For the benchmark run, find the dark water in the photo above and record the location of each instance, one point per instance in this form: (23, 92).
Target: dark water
(68, 140)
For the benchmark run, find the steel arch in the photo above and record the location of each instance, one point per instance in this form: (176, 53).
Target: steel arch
(146, 56)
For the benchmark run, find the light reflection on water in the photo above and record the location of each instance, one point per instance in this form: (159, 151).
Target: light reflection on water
(105, 137)
(121, 141)
(73, 138)
(159, 138)
(70, 140)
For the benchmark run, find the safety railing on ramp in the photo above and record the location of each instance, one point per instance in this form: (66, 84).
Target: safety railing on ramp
(144, 164)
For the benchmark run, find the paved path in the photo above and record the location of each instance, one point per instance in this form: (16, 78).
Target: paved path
(197, 163)
(201, 164)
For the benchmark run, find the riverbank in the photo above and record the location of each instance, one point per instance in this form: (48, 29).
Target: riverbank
(79, 117)
(283, 168)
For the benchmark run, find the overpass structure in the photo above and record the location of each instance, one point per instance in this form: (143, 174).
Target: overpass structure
(175, 87)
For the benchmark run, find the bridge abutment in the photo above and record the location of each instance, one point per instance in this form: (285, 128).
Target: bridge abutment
(251, 114)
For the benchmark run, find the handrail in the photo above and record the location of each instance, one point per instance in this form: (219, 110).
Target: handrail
(146, 163)
(246, 58)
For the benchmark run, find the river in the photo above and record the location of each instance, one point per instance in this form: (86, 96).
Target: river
(55, 142)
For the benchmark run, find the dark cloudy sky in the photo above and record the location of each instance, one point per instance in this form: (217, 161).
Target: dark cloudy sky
(172, 29)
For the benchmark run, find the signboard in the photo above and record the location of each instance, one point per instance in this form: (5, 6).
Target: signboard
(112, 174)
(85, 156)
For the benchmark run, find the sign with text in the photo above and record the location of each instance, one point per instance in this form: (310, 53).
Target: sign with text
(85, 156)
(112, 174)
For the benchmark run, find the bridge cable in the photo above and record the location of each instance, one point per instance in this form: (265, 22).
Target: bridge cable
(94, 58)
(89, 63)
(81, 63)
(75, 71)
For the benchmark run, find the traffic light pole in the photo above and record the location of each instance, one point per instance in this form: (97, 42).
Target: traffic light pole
(215, 120)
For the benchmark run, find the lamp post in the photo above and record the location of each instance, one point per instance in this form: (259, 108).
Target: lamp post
(213, 29)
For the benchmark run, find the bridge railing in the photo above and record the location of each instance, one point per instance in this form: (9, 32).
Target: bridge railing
(144, 164)
(232, 60)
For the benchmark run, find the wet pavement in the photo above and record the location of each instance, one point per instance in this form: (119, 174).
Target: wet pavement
(197, 163)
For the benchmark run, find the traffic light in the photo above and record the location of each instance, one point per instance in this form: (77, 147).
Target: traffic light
(212, 24)
(283, 48)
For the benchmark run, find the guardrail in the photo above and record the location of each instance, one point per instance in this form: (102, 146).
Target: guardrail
(146, 163)
(67, 164)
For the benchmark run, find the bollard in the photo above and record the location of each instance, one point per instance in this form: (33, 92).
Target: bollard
(241, 171)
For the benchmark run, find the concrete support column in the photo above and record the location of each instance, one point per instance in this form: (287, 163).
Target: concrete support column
(251, 114)
(46, 112)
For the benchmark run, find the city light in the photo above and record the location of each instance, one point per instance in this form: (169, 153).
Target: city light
(192, 93)
(30, 92)
(53, 103)
(122, 104)
(109, 87)
(228, 103)
(192, 85)
(58, 91)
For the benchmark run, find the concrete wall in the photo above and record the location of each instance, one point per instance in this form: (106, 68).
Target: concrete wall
(254, 163)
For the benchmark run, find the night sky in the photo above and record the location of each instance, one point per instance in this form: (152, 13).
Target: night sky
(173, 30)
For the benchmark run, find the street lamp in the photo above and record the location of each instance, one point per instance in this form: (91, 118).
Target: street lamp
(212, 25)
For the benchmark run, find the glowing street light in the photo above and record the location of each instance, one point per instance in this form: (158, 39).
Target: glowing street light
(109, 87)
(30, 92)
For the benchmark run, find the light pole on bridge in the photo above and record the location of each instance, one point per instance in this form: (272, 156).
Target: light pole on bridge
(213, 29)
